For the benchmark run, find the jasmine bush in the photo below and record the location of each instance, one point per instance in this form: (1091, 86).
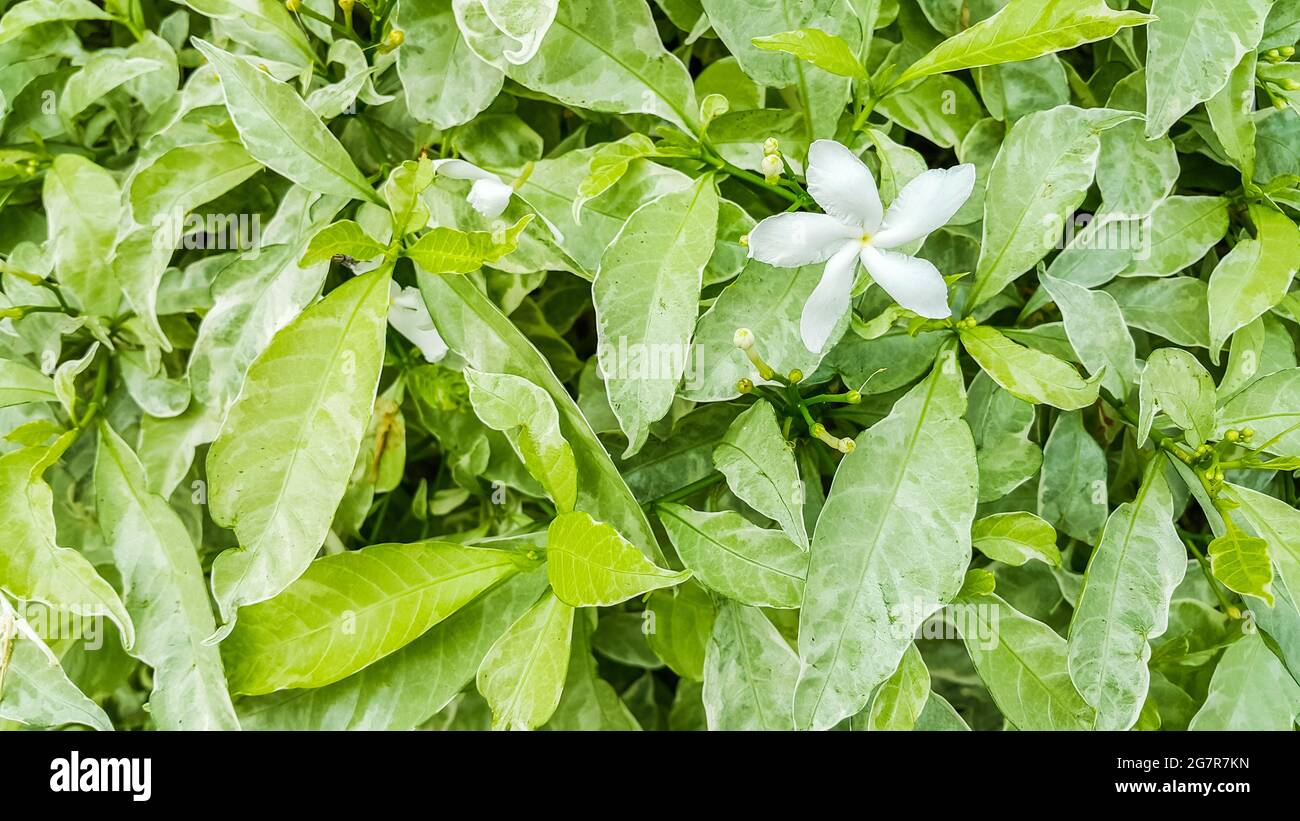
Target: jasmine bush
(617, 364)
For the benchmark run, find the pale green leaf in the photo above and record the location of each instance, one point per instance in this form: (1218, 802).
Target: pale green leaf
(1250, 690)
(286, 450)
(826, 51)
(591, 565)
(281, 132)
(891, 548)
(749, 672)
(726, 553)
(1072, 491)
(1027, 373)
(1192, 48)
(351, 609)
(345, 238)
(527, 415)
(646, 294)
(1025, 29)
(760, 469)
(1023, 663)
(1124, 604)
(1015, 538)
(522, 676)
(165, 593)
(446, 250)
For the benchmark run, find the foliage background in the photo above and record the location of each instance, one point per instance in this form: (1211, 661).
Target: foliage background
(292, 518)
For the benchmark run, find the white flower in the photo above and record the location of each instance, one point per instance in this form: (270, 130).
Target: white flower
(488, 195)
(855, 226)
(409, 316)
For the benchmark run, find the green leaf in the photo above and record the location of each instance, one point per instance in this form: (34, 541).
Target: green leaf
(1250, 690)
(1023, 663)
(1231, 112)
(33, 566)
(402, 192)
(891, 547)
(449, 251)
(1270, 405)
(749, 672)
(20, 383)
(726, 553)
(603, 55)
(1039, 178)
(402, 690)
(1022, 30)
(286, 450)
(527, 415)
(351, 609)
(281, 132)
(477, 330)
(165, 593)
(1276, 522)
(1026, 373)
(37, 692)
(609, 163)
(760, 469)
(522, 677)
(1253, 277)
(589, 702)
(683, 619)
(345, 238)
(22, 16)
(1072, 491)
(1124, 604)
(646, 294)
(436, 58)
(1015, 538)
(1175, 308)
(1097, 332)
(1175, 383)
(899, 702)
(941, 109)
(826, 51)
(1192, 48)
(591, 565)
(81, 204)
(761, 290)
(1000, 424)
(1242, 563)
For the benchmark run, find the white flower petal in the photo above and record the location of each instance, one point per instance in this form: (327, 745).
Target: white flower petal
(794, 239)
(829, 300)
(842, 185)
(924, 204)
(913, 282)
(462, 170)
(409, 316)
(490, 197)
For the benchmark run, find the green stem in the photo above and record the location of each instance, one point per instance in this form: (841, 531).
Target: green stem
(687, 490)
(338, 27)
(750, 177)
(1227, 606)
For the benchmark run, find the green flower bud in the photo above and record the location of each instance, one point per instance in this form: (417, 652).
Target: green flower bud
(293, 5)
(796, 375)
(745, 385)
(1232, 435)
(852, 398)
(1247, 434)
